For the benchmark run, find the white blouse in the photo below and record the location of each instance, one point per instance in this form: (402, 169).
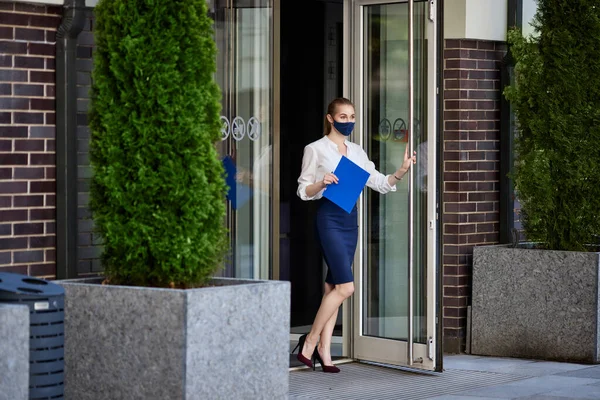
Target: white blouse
(322, 157)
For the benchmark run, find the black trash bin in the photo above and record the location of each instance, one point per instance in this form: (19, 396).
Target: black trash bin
(46, 331)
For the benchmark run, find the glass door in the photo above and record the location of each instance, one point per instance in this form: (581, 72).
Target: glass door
(244, 32)
(393, 82)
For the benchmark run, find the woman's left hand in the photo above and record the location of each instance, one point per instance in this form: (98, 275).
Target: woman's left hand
(409, 161)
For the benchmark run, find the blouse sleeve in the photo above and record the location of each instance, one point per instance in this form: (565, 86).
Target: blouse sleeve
(377, 181)
(308, 176)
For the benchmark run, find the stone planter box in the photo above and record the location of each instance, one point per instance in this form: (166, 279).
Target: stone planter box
(535, 304)
(14, 352)
(227, 341)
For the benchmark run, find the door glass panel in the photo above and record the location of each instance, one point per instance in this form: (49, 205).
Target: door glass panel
(243, 31)
(387, 217)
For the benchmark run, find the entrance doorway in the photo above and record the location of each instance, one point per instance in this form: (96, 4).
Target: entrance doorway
(311, 75)
(382, 54)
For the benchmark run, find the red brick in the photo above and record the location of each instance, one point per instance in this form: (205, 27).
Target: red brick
(477, 54)
(43, 187)
(13, 159)
(455, 312)
(6, 32)
(36, 242)
(29, 145)
(9, 75)
(50, 90)
(43, 159)
(6, 145)
(12, 103)
(13, 243)
(15, 269)
(30, 62)
(28, 118)
(38, 35)
(29, 201)
(43, 104)
(45, 21)
(28, 229)
(476, 217)
(487, 228)
(40, 270)
(50, 171)
(42, 76)
(10, 47)
(14, 19)
(40, 214)
(28, 90)
(43, 49)
(468, 44)
(20, 257)
(29, 173)
(51, 255)
(13, 187)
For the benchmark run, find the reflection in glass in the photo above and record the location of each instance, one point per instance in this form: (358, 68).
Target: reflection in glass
(387, 219)
(243, 32)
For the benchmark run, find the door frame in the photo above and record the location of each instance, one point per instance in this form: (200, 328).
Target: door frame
(385, 350)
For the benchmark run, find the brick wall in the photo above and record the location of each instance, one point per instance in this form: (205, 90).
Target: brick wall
(470, 172)
(27, 138)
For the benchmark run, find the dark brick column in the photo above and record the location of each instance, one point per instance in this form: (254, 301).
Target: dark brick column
(27, 138)
(470, 172)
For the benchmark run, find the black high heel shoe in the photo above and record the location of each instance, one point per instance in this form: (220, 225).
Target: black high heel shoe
(326, 368)
(300, 357)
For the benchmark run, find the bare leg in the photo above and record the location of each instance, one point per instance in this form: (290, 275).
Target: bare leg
(329, 306)
(325, 341)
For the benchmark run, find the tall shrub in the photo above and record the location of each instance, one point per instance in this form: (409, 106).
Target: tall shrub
(157, 193)
(556, 97)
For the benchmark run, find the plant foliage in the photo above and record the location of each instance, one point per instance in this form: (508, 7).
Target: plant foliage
(556, 97)
(157, 192)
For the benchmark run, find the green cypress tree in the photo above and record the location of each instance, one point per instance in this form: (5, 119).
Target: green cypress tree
(556, 98)
(157, 193)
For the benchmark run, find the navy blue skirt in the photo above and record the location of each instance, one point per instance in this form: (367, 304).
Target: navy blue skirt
(337, 232)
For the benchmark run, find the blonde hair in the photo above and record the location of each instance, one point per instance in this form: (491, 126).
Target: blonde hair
(331, 109)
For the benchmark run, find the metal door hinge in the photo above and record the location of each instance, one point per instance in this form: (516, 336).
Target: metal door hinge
(432, 10)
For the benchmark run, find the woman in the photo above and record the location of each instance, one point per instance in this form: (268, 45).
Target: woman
(337, 230)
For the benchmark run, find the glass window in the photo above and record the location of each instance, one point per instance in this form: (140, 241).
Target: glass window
(243, 31)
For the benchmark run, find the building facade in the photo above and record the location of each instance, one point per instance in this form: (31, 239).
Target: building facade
(277, 77)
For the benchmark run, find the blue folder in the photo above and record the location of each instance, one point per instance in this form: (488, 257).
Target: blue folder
(352, 180)
(238, 193)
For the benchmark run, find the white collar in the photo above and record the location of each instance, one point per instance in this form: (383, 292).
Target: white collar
(333, 144)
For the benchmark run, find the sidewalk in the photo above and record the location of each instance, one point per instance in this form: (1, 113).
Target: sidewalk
(465, 377)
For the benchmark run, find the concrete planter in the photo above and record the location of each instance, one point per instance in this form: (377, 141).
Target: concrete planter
(14, 352)
(229, 341)
(536, 304)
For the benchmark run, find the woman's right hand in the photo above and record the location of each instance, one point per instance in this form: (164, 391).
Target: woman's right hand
(330, 178)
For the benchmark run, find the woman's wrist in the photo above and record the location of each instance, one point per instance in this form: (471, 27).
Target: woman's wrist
(399, 174)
